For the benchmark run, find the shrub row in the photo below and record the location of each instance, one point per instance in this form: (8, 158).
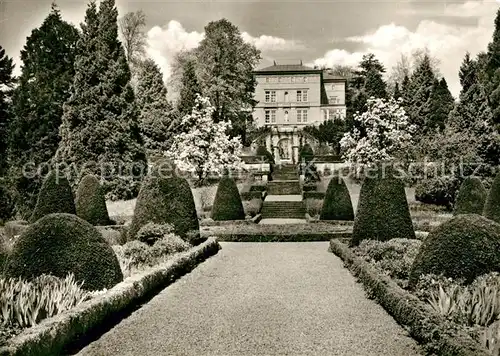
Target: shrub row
(59, 334)
(426, 326)
(276, 237)
(313, 195)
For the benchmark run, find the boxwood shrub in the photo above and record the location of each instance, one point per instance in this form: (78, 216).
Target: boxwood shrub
(90, 201)
(59, 244)
(227, 203)
(492, 204)
(337, 204)
(55, 196)
(471, 197)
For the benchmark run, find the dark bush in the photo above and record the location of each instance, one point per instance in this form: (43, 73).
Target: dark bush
(6, 203)
(150, 233)
(262, 151)
(55, 196)
(437, 190)
(337, 204)
(59, 244)
(463, 247)
(492, 204)
(383, 212)
(90, 201)
(306, 153)
(471, 197)
(227, 202)
(166, 201)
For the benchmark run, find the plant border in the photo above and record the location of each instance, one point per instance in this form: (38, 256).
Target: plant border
(52, 336)
(424, 325)
(276, 237)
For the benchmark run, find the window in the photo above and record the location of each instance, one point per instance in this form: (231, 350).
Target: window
(286, 116)
(286, 97)
(334, 100)
(270, 116)
(268, 95)
(273, 96)
(301, 115)
(301, 95)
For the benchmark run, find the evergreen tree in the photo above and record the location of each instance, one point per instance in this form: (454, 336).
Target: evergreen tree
(155, 110)
(189, 88)
(47, 72)
(492, 69)
(6, 82)
(441, 102)
(225, 65)
(375, 85)
(100, 132)
(397, 93)
(467, 73)
(405, 90)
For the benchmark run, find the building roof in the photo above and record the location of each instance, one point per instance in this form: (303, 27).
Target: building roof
(327, 76)
(287, 68)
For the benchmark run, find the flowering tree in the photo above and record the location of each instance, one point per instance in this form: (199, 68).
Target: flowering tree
(380, 134)
(204, 148)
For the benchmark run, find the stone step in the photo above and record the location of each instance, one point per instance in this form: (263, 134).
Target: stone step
(288, 187)
(283, 209)
(283, 214)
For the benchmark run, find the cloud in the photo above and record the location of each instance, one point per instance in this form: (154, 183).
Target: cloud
(448, 43)
(163, 43)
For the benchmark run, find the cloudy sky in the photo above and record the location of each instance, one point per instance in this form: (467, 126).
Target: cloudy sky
(317, 32)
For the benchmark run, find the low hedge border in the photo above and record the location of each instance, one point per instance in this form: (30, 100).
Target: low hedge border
(253, 195)
(313, 195)
(73, 329)
(427, 327)
(284, 237)
(334, 222)
(211, 222)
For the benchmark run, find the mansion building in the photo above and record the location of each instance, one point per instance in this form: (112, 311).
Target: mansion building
(290, 97)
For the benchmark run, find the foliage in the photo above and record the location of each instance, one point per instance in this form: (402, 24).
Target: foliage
(394, 256)
(440, 190)
(384, 133)
(467, 73)
(6, 203)
(225, 64)
(463, 247)
(165, 201)
(150, 233)
(383, 212)
(262, 151)
(189, 88)
(131, 28)
(306, 153)
(471, 197)
(441, 102)
(64, 243)
(90, 201)
(47, 73)
(314, 206)
(227, 203)
(492, 204)
(26, 303)
(156, 115)
(6, 83)
(337, 204)
(492, 71)
(252, 207)
(100, 131)
(205, 148)
(55, 196)
(330, 131)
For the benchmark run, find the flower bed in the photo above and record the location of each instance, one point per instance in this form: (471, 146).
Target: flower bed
(383, 268)
(56, 335)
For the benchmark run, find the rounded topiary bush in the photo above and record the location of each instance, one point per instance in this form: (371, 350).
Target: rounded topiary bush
(166, 201)
(463, 247)
(337, 204)
(59, 244)
(471, 197)
(383, 213)
(90, 201)
(306, 153)
(55, 196)
(227, 202)
(492, 205)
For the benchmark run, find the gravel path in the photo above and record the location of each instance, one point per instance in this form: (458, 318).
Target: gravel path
(261, 299)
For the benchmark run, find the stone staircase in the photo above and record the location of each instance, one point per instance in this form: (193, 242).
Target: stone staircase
(284, 198)
(283, 209)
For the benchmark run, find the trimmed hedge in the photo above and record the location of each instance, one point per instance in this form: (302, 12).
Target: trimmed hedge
(464, 247)
(293, 237)
(492, 204)
(438, 335)
(59, 244)
(69, 331)
(227, 202)
(471, 197)
(313, 195)
(309, 187)
(91, 203)
(437, 190)
(383, 211)
(55, 196)
(337, 204)
(166, 201)
(249, 195)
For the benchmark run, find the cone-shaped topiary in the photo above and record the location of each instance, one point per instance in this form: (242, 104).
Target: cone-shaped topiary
(492, 204)
(306, 153)
(383, 211)
(166, 201)
(337, 204)
(470, 197)
(59, 244)
(55, 196)
(90, 201)
(463, 247)
(227, 203)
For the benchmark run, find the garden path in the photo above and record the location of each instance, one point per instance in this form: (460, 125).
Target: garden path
(260, 299)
